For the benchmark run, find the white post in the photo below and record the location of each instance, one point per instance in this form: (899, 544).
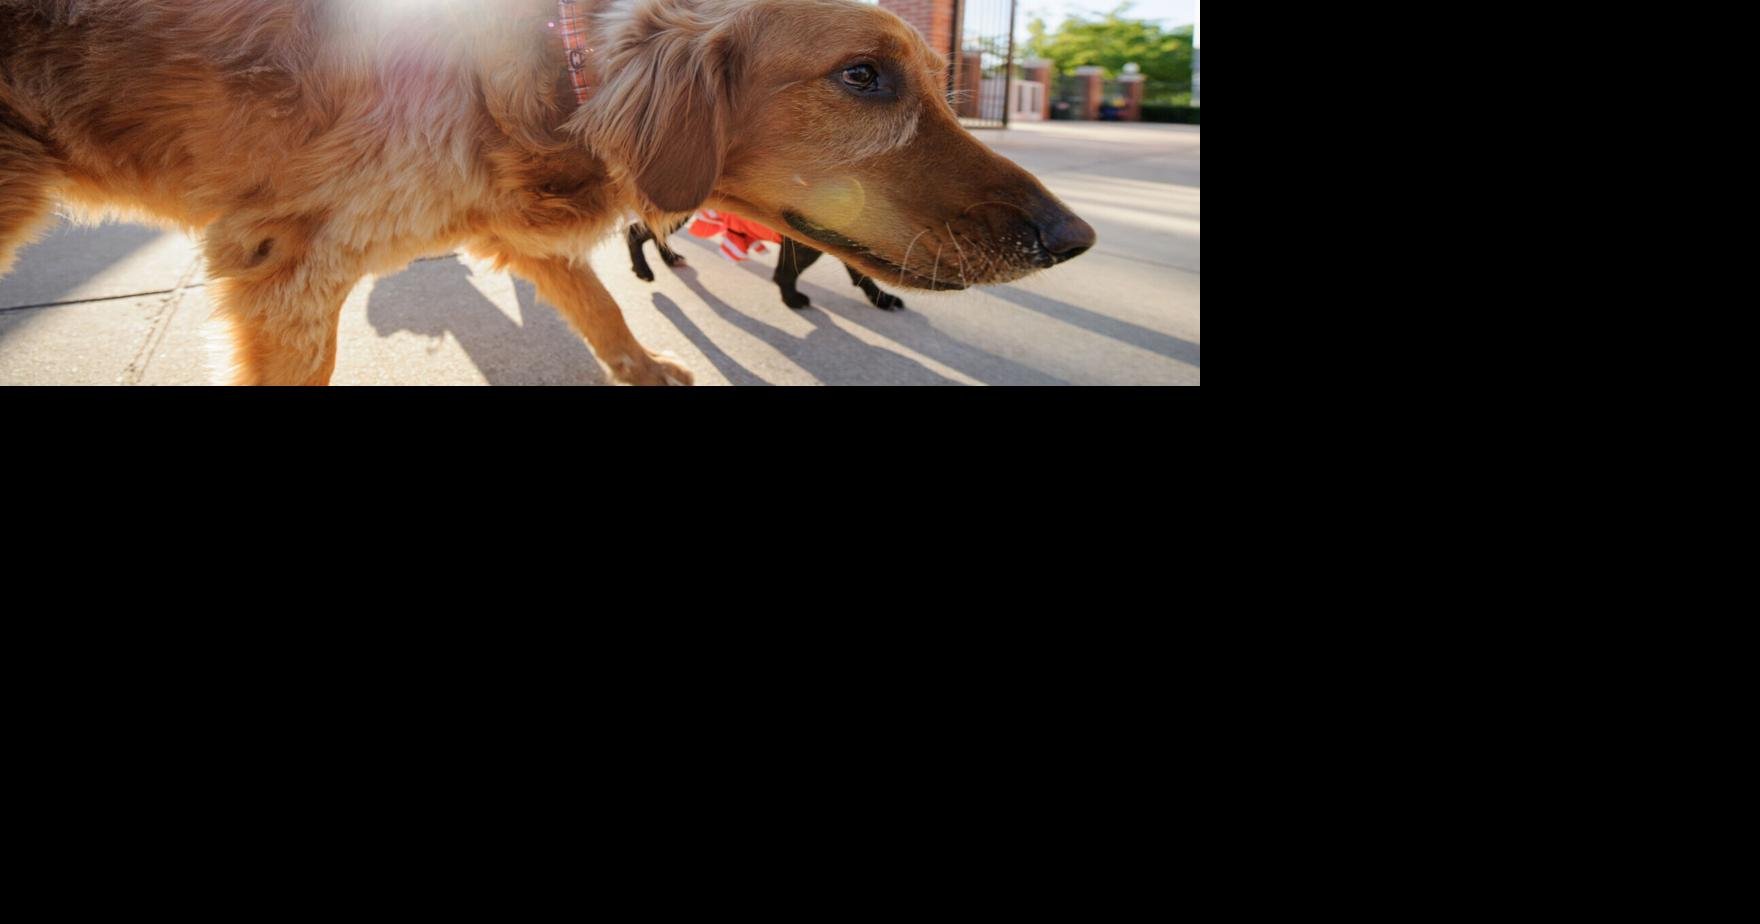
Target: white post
(1196, 10)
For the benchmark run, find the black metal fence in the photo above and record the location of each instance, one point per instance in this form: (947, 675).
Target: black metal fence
(982, 76)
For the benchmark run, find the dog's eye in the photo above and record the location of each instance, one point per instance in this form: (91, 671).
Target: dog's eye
(861, 77)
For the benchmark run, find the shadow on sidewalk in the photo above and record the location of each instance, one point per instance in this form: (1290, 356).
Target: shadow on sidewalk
(911, 329)
(60, 261)
(1167, 345)
(827, 353)
(736, 374)
(435, 298)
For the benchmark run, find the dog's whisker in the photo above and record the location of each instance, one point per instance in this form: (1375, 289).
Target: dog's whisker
(989, 260)
(962, 253)
(907, 256)
(1011, 205)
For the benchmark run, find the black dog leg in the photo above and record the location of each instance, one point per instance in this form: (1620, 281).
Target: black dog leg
(876, 297)
(672, 259)
(639, 235)
(793, 258)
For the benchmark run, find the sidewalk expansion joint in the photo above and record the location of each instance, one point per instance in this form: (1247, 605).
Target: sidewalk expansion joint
(101, 298)
(159, 324)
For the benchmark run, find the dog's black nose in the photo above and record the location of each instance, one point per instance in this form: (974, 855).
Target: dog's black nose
(1065, 237)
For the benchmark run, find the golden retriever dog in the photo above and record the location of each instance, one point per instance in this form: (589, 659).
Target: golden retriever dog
(313, 142)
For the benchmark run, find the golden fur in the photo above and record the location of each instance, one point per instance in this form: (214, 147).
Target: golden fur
(311, 142)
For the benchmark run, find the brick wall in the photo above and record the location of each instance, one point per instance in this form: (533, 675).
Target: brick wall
(933, 18)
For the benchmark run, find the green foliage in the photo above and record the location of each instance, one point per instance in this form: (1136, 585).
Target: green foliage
(1111, 42)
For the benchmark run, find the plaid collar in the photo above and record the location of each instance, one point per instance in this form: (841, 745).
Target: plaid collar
(572, 19)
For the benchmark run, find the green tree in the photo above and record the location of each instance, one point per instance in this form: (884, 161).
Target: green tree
(1111, 42)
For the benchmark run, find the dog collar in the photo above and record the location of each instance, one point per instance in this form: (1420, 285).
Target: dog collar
(572, 20)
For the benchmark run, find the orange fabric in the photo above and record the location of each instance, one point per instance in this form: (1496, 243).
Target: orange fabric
(740, 236)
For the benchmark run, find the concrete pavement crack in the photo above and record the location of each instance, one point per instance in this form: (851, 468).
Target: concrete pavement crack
(100, 298)
(159, 324)
(128, 295)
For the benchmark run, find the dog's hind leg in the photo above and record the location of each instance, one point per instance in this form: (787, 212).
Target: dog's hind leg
(582, 300)
(27, 179)
(876, 297)
(666, 253)
(638, 261)
(790, 262)
(281, 297)
(639, 234)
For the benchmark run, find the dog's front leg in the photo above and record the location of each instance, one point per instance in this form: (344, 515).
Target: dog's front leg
(790, 263)
(582, 299)
(876, 296)
(281, 296)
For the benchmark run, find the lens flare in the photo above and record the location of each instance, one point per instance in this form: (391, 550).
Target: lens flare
(838, 203)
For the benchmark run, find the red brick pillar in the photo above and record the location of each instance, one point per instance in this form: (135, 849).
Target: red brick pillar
(933, 18)
(1091, 89)
(1039, 70)
(1133, 97)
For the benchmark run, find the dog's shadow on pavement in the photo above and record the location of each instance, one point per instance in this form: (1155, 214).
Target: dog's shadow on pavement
(435, 298)
(909, 328)
(736, 374)
(1174, 348)
(66, 256)
(828, 353)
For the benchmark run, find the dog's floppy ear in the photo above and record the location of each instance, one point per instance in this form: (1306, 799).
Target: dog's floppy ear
(661, 112)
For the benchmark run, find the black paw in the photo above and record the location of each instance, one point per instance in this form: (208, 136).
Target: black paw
(796, 299)
(887, 302)
(672, 259)
(643, 273)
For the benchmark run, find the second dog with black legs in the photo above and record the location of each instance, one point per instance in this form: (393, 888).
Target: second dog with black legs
(639, 235)
(793, 259)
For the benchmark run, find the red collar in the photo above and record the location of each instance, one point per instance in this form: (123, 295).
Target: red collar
(572, 20)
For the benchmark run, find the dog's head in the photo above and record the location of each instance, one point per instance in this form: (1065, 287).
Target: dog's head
(828, 121)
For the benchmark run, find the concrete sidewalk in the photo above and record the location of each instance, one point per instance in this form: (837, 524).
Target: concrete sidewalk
(123, 304)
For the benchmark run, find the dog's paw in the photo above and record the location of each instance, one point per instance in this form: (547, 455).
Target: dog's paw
(653, 369)
(889, 302)
(643, 273)
(796, 299)
(674, 260)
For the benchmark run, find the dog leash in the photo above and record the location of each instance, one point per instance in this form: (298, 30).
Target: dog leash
(573, 20)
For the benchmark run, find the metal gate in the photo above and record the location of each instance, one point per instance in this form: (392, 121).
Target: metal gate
(984, 72)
